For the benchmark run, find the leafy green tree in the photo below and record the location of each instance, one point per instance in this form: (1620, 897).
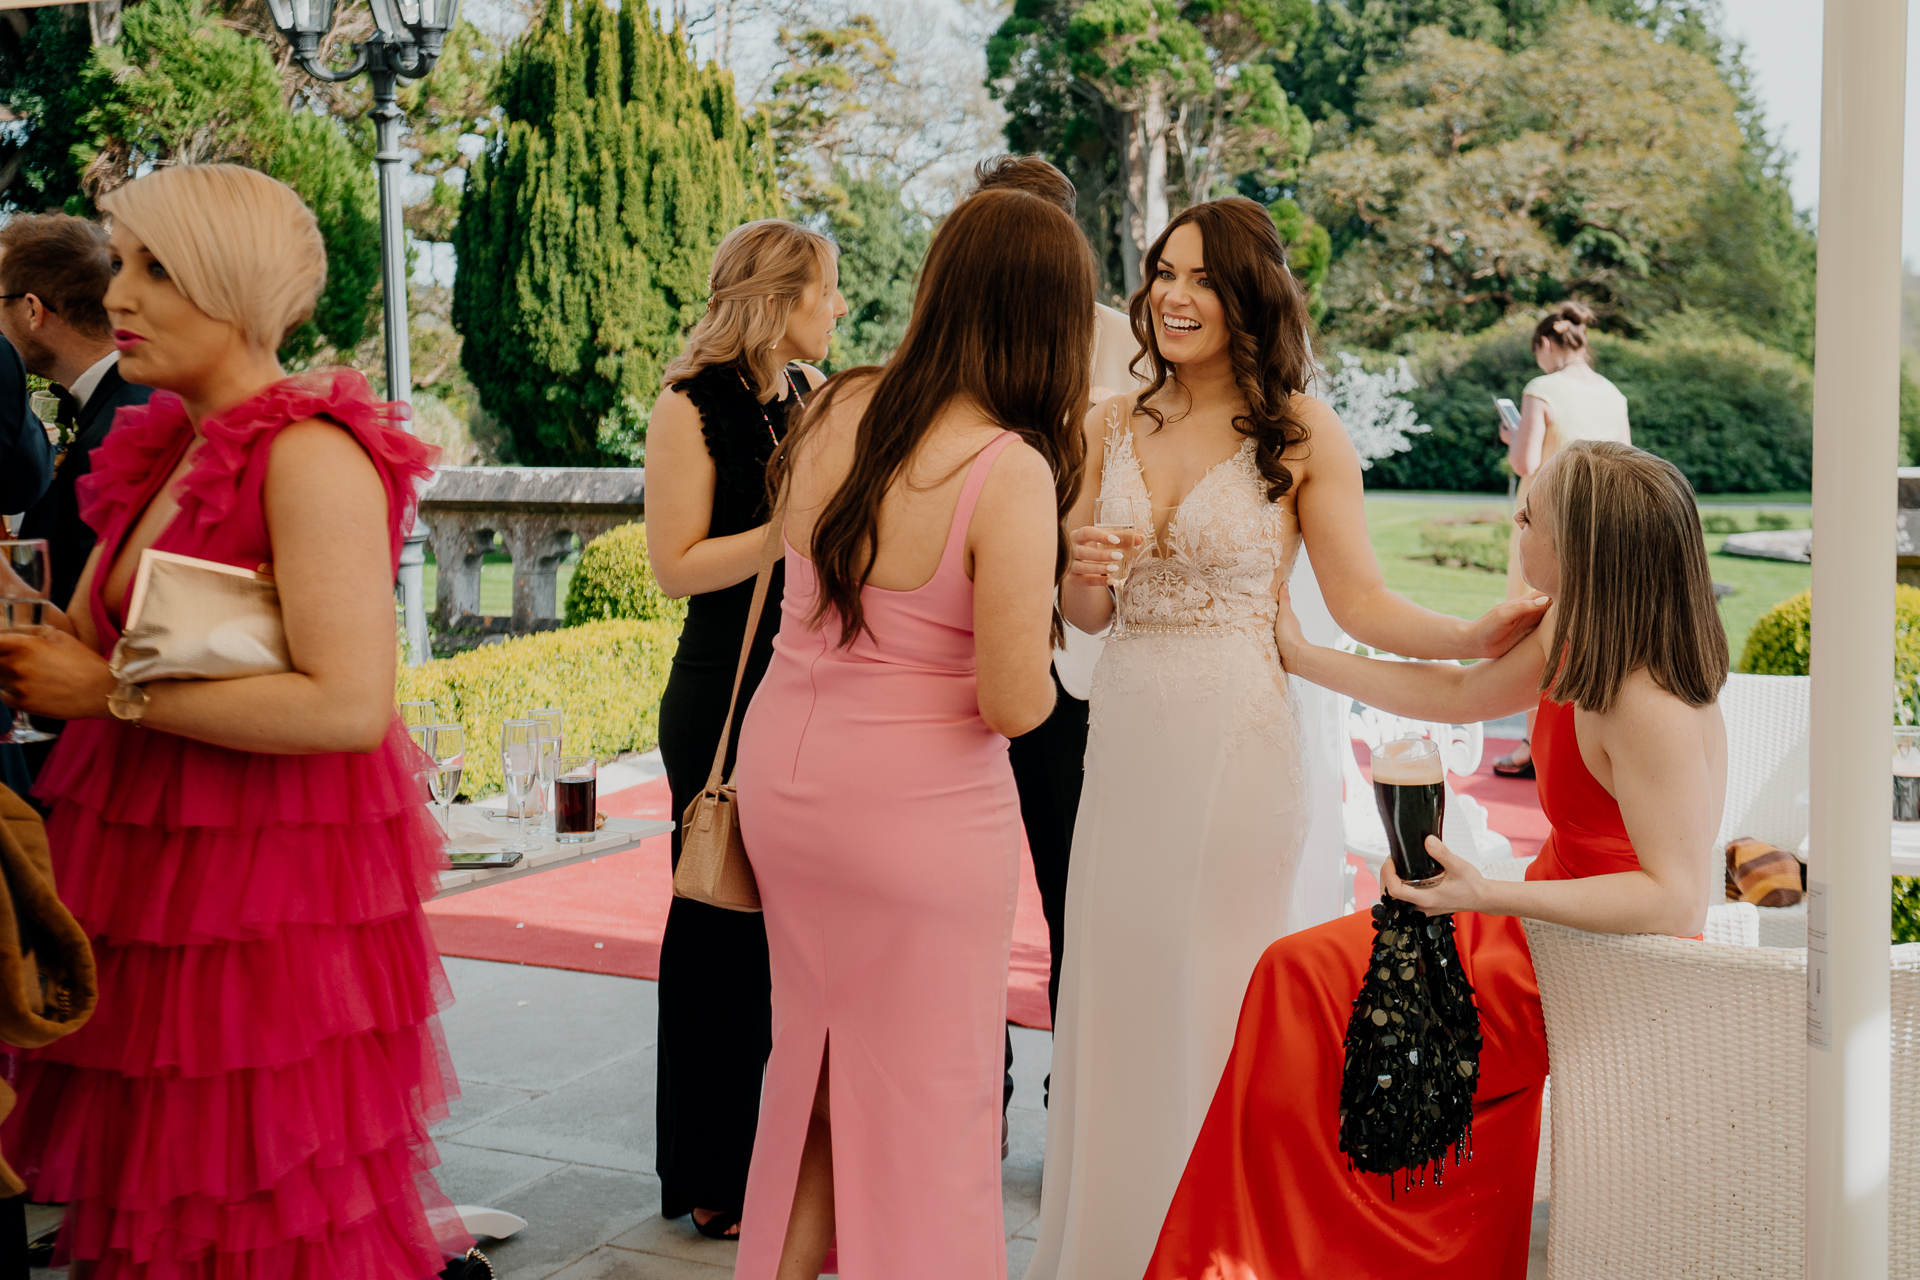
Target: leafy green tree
(587, 228)
(881, 244)
(1150, 105)
(1483, 180)
(38, 67)
(181, 88)
(834, 77)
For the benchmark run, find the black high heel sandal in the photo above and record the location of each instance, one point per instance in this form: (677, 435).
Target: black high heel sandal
(1506, 768)
(716, 1227)
(471, 1265)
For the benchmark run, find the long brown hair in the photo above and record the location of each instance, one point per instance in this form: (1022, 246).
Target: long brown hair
(1003, 316)
(760, 263)
(1267, 327)
(1635, 587)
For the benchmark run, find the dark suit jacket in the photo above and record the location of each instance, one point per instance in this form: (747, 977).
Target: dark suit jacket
(56, 517)
(26, 459)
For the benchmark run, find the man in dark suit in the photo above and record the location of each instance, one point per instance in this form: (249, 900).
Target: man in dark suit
(26, 469)
(54, 274)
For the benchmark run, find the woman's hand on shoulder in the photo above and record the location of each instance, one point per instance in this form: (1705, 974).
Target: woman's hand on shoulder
(1506, 624)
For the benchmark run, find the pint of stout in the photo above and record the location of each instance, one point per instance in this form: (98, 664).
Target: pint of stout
(1906, 774)
(1410, 786)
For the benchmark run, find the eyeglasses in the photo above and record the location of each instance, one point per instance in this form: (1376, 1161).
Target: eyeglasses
(15, 297)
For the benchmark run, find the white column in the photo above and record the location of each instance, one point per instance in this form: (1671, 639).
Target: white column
(1855, 415)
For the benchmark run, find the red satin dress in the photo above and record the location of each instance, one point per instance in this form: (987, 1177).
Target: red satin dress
(1267, 1193)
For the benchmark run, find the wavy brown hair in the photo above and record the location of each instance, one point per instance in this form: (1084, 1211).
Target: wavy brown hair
(1003, 317)
(760, 272)
(1267, 327)
(1635, 586)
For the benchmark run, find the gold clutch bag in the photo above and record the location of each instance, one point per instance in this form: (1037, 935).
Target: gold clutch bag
(192, 619)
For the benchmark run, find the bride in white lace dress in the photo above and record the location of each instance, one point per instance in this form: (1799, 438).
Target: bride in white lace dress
(1191, 816)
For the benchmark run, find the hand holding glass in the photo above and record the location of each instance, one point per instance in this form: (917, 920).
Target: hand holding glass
(25, 575)
(1410, 787)
(1126, 518)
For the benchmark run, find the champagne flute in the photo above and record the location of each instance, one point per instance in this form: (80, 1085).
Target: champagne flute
(25, 573)
(1124, 516)
(551, 721)
(447, 748)
(415, 714)
(520, 762)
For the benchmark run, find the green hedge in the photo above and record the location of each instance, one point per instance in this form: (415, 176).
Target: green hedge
(1781, 642)
(615, 580)
(1734, 415)
(1477, 545)
(607, 677)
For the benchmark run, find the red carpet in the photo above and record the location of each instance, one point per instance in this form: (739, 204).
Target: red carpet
(606, 916)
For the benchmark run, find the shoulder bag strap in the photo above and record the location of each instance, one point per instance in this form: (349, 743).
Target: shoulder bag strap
(769, 556)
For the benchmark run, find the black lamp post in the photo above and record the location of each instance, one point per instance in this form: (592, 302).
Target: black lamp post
(407, 43)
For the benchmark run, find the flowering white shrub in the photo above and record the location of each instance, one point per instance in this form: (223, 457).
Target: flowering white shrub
(1373, 407)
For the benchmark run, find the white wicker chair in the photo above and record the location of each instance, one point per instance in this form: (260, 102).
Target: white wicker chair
(1769, 732)
(1733, 924)
(1660, 1167)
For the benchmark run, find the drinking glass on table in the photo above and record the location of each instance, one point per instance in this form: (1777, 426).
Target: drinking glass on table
(447, 749)
(416, 714)
(520, 763)
(576, 799)
(551, 721)
(25, 572)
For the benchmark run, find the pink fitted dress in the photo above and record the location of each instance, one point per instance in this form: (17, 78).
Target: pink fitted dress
(881, 817)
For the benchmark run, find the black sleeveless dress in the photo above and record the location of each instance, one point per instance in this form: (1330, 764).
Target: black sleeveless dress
(716, 1014)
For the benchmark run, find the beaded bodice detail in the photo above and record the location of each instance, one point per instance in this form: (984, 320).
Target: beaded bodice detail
(1223, 545)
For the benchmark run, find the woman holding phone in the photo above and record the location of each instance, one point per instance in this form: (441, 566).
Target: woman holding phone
(1568, 402)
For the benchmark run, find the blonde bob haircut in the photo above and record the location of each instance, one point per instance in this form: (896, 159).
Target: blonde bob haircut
(239, 245)
(760, 272)
(1635, 589)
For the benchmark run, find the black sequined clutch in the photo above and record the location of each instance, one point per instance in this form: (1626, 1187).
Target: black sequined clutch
(1413, 1051)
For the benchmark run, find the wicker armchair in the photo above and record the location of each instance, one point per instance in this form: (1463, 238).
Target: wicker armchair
(1678, 1146)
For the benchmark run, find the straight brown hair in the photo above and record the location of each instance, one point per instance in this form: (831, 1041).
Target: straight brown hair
(1267, 327)
(1004, 317)
(1635, 589)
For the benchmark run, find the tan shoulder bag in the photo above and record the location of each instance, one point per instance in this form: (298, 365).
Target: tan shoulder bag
(713, 858)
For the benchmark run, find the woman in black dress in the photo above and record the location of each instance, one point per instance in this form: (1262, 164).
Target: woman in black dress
(729, 395)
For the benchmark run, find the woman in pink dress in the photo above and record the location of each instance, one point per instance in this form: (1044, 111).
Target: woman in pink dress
(923, 547)
(248, 856)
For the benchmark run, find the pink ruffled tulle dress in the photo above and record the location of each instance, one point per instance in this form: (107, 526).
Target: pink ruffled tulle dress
(252, 1097)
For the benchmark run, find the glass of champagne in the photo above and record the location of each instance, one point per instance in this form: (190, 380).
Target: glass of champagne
(576, 799)
(414, 714)
(1124, 517)
(520, 763)
(447, 748)
(25, 576)
(1410, 788)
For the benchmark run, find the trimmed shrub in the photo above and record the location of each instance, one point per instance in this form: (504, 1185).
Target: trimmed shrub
(1906, 909)
(1734, 415)
(1781, 642)
(1719, 523)
(607, 677)
(614, 580)
(1479, 545)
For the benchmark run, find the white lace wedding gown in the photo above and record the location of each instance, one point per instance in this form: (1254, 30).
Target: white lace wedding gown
(1184, 853)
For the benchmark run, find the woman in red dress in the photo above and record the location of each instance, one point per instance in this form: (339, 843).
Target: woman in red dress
(248, 856)
(1626, 667)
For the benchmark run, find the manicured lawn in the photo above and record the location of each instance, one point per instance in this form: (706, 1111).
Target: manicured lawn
(1394, 523)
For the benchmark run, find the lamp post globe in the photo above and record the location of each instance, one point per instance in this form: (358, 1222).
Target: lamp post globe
(406, 43)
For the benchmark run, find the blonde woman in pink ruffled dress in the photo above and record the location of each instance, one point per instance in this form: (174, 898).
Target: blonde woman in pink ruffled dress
(252, 1097)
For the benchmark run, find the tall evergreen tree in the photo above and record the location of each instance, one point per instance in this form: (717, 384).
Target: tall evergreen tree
(587, 229)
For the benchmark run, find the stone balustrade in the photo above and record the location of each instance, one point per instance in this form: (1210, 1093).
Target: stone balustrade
(531, 513)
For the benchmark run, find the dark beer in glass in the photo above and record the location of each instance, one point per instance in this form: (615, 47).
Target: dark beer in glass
(1410, 786)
